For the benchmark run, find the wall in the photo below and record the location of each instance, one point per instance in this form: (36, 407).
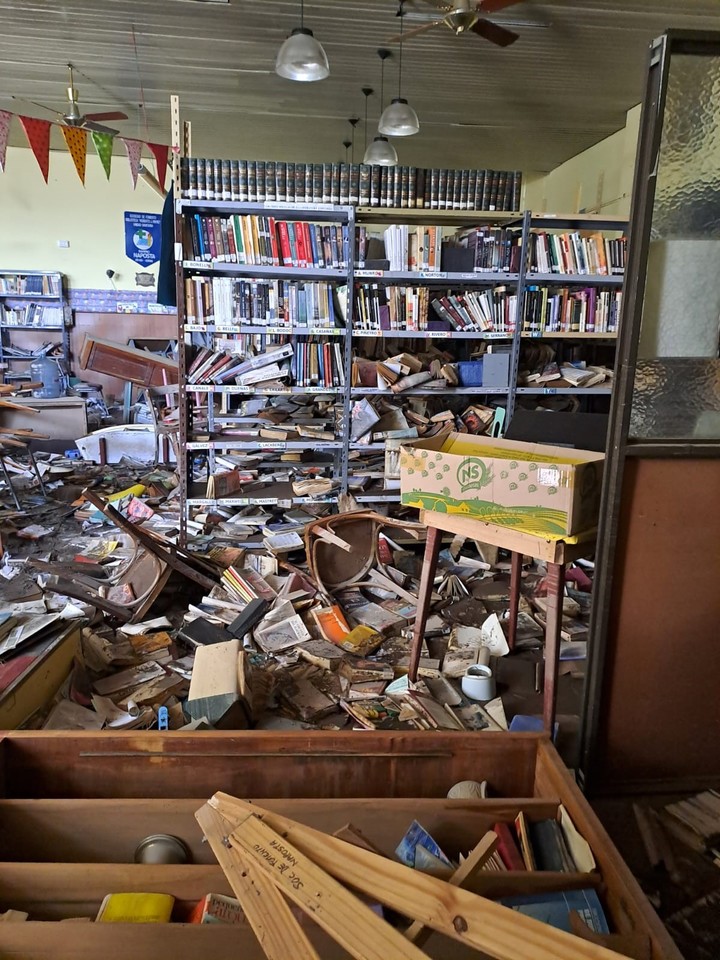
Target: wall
(598, 180)
(36, 216)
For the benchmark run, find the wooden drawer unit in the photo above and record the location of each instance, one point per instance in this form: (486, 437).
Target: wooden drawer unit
(75, 806)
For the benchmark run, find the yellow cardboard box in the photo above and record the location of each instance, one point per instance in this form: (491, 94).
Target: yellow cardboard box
(544, 490)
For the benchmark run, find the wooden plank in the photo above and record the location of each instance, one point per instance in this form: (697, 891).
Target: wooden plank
(264, 763)
(337, 911)
(128, 363)
(266, 909)
(58, 890)
(142, 941)
(330, 537)
(33, 830)
(417, 932)
(628, 905)
(350, 834)
(500, 932)
(553, 551)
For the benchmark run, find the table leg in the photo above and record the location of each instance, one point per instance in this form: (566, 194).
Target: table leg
(555, 583)
(515, 581)
(427, 578)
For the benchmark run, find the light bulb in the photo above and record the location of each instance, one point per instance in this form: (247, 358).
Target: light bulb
(399, 119)
(381, 152)
(302, 57)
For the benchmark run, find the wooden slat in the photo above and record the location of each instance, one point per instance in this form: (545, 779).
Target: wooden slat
(498, 931)
(342, 915)
(264, 764)
(417, 932)
(266, 910)
(34, 830)
(630, 909)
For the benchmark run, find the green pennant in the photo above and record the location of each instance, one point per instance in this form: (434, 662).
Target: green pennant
(103, 143)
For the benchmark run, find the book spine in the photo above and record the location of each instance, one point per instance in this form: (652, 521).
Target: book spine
(260, 181)
(344, 191)
(290, 182)
(464, 189)
(216, 192)
(185, 178)
(365, 184)
(354, 194)
(201, 178)
(442, 191)
(317, 192)
(225, 180)
(434, 188)
(252, 181)
(516, 189)
(326, 196)
(457, 190)
(405, 187)
(270, 180)
(335, 183)
(281, 182)
(487, 185)
(374, 185)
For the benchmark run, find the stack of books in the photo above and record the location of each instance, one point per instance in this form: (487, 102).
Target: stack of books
(270, 181)
(577, 254)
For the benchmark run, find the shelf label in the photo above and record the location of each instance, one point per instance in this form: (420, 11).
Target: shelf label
(551, 390)
(197, 328)
(294, 205)
(432, 275)
(263, 501)
(439, 334)
(271, 444)
(369, 273)
(198, 264)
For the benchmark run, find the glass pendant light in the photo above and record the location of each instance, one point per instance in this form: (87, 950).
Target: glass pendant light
(380, 152)
(399, 119)
(302, 57)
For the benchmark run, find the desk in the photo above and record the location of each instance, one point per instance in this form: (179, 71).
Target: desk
(556, 553)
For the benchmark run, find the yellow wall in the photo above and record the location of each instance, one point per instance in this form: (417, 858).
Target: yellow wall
(598, 180)
(33, 217)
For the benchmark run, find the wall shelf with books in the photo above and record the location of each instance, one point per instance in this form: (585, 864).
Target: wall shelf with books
(32, 302)
(433, 319)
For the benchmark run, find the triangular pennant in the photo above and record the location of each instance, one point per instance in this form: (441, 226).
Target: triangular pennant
(38, 136)
(76, 140)
(160, 151)
(5, 119)
(103, 147)
(133, 148)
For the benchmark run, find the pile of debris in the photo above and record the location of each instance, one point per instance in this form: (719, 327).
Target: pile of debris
(308, 624)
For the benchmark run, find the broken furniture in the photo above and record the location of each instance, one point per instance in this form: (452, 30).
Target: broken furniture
(127, 363)
(123, 787)
(11, 441)
(130, 594)
(555, 553)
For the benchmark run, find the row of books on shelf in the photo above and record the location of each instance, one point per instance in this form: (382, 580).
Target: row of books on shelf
(413, 248)
(265, 241)
(565, 310)
(401, 308)
(306, 363)
(228, 301)
(45, 285)
(32, 315)
(575, 253)
(495, 249)
(263, 181)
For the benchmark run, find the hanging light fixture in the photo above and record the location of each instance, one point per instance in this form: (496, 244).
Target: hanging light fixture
(399, 119)
(380, 151)
(353, 121)
(301, 57)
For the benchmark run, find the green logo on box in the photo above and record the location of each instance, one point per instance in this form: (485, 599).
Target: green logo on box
(473, 474)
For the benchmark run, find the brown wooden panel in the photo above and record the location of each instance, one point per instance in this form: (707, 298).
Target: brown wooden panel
(42, 830)
(659, 718)
(120, 327)
(631, 912)
(265, 764)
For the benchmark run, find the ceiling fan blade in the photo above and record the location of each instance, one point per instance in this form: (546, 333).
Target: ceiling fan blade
(494, 33)
(494, 6)
(98, 128)
(116, 115)
(406, 34)
(41, 105)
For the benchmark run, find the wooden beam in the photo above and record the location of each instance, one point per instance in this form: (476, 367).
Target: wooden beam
(500, 932)
(267, 911)
(417, 932)
(348, 920)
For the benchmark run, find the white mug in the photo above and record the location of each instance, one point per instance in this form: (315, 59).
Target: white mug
(479, 682)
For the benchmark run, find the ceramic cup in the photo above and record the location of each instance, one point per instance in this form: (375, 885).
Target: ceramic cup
(479, 682)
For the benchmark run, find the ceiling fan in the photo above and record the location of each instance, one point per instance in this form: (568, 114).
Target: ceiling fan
(467, 16)
(74, 117)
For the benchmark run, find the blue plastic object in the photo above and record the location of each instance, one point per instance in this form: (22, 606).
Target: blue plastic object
(163, 719)
(470, 373)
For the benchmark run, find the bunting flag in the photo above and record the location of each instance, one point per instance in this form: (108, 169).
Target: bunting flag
(5, 119)
(76, 140)
(38, 136)
(103, 147)
(160, 151)
(133, 148)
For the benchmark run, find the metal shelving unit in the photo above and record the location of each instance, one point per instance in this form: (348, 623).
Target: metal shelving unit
(340, 450)
(25, 300)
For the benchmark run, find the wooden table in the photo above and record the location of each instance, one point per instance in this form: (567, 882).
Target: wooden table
(556, 554)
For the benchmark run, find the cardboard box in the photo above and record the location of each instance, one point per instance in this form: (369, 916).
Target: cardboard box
(544, 490)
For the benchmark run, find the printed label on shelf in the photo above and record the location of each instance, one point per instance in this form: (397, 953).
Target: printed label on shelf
(432, 275)
(552, 390)
(359, 332)
(263, 501)
(439, 334)
(198, 265)
(278, 205)
(283, 391)
(271, 445)
(197, 328)
(369, 273)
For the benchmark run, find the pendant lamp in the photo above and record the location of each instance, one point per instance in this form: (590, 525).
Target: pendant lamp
(301, 57)
(381, 152)
(399, 119)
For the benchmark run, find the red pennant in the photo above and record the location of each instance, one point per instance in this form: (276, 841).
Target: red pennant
(160, 151)
(38, 136)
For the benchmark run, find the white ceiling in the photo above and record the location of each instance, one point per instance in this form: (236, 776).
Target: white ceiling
(566, 83)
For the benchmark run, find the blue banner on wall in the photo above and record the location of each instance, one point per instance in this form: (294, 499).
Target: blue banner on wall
(142, 237)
